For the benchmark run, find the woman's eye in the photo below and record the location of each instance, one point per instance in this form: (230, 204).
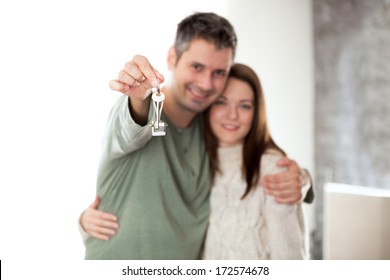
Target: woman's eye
(220, 102)
(246, 106)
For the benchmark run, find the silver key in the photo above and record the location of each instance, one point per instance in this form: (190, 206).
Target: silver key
(158, 126)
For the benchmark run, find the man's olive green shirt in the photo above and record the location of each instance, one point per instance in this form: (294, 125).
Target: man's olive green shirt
(157, 186)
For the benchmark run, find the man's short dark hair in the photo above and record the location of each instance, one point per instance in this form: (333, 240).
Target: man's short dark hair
(206, 26)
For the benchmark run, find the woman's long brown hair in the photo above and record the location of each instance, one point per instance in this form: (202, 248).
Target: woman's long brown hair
(258, 139)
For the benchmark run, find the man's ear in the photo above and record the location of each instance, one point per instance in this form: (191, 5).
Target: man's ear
(171, 59)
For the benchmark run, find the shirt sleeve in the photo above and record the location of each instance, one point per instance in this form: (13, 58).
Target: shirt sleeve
(285, 227)
(123, 135)
(307, 189)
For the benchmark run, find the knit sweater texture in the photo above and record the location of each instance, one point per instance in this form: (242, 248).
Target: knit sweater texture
(256, 227)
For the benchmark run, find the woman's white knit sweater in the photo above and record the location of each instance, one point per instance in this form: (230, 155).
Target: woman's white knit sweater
(256, 227)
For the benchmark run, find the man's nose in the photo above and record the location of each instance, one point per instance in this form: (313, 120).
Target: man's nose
(206, 82)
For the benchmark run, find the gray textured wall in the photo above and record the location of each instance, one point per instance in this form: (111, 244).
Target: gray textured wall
(352, 99)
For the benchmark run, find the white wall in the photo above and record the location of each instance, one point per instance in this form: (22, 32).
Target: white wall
(57, 58)
(275, 37)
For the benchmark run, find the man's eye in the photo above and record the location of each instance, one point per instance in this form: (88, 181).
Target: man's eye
(220, 73)
(197, 67)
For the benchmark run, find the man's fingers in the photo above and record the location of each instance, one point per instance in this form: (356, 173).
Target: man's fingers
(101, 229)
(277, 178)
(136, 78)
(281, 181)
(104, 216)
(159, 76)
(106, 223)
(284, 186)
(284, 192)
(281, 190)
(292, 165)
(100, 236)
(119, 86)
(97, 221)
(288, 200)
(284, 161)
(144, 69)
(104, 228)
(286, 195)
(128, 79)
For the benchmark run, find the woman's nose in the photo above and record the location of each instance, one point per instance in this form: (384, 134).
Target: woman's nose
(232, 112)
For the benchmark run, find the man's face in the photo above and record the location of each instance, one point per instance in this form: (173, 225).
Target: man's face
(199, 75)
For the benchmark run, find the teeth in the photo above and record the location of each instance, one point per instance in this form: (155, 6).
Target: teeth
(195, 93)
(198, 94)
(230, 126)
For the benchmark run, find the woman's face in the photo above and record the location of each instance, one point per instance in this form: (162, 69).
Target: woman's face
(232, 114)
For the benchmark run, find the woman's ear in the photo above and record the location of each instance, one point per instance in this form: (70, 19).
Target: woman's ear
(171, 59)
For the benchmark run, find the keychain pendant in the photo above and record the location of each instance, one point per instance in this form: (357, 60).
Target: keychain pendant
(158, 126)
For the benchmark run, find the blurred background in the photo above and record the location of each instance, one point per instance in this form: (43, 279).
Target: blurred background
(324, 66)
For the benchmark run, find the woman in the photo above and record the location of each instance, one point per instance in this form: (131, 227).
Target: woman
(245, 223)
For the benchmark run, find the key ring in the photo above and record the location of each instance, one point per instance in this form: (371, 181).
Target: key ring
(158, 126)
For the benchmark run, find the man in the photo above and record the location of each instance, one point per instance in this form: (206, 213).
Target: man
(158, 187)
